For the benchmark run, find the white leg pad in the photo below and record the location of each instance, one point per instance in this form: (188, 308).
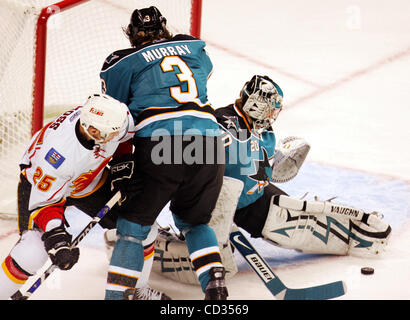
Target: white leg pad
(298, 230)
(172, 260)
(222, 216)
(325, 234)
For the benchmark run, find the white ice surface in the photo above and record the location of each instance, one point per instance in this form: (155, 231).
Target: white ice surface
(344, 67)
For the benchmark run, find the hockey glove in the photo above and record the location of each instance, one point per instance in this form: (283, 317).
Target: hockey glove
(124, 178)
(58, 246)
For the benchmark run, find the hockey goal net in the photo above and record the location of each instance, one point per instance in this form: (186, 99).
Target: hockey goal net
(50, 57)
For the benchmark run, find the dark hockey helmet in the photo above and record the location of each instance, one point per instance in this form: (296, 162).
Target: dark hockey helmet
(149, 20)
(262, 101)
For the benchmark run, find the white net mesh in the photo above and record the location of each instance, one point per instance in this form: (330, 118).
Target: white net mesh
(78, 41)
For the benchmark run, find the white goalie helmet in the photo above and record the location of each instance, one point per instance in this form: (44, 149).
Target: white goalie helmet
(104, 113)
(262, 101)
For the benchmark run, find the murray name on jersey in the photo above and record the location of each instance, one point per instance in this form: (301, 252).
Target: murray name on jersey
(158, 53)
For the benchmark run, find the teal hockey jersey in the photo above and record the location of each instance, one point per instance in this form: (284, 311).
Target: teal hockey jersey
(164, 84)
(248, 156)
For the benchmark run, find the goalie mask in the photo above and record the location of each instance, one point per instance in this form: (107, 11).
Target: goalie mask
(149, 20)
(104, 113)
(261, 101)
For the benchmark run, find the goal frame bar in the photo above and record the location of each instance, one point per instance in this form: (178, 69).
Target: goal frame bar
(41, 51)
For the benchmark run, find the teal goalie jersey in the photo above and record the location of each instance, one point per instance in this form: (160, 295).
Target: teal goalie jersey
(248, 155)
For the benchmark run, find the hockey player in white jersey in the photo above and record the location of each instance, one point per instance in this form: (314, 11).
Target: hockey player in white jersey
(65, 164)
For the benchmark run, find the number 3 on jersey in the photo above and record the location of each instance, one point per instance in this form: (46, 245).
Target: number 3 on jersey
(167, 65)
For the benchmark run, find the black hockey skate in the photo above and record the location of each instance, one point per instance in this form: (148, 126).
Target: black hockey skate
(145, 293)
(216, 288)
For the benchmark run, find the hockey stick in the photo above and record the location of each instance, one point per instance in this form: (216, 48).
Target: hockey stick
(274, 284)
(20, 296)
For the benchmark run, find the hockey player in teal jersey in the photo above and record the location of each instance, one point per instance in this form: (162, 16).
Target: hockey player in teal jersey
(264, 210)
(249, 140)
(249, 200)
(250, 146)
(163, 81)
(255, 160)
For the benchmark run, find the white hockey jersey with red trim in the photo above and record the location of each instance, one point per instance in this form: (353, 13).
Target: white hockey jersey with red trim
(58, 165)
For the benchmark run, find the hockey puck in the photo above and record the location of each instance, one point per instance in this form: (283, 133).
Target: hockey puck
(367, 270)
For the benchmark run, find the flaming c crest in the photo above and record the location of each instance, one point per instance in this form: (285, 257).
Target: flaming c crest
(84, 180)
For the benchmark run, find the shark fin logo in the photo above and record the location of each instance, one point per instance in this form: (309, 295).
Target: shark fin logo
(261, 177)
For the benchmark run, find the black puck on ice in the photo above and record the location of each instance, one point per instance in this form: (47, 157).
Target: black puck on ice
(367, 270)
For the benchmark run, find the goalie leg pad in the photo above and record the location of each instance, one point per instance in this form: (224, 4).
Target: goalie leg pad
(371, 236)
(172, 259)
(325, 234)
(298, 230)
(224, 211)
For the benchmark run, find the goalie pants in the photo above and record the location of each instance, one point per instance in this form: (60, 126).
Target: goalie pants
(252, 218)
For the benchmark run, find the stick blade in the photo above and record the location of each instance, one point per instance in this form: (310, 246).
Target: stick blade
(322, 292)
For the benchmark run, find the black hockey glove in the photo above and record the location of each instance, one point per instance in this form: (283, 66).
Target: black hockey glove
(124, 178)
(58, 246)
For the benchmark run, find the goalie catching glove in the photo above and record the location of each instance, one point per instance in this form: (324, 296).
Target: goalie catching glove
(58, 246)
(289, 156)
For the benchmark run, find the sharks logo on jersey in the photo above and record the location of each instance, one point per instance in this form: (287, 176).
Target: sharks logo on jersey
(232, 122)
(262, 175)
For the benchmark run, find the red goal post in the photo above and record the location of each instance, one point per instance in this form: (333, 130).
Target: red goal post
(51, 55)
(41, 40)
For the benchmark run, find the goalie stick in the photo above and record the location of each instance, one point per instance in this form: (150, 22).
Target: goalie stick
(274, 284)
(20, 296)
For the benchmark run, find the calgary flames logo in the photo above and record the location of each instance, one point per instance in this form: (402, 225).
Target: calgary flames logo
(84, 180)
